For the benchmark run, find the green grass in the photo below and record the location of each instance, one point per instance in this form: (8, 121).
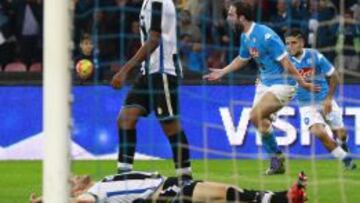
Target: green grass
(328, 183)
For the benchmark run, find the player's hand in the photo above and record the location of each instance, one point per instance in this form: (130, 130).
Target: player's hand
(118, 80)
(327, 106)
(34, 199)
(215, 74)
(311, 87)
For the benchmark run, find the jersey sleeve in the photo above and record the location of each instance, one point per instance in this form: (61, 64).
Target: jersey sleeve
(156, 16)
(324, 64)
(275, 46)
(243, 51)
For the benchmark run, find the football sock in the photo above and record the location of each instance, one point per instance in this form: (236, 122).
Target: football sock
(270, 144)
(127, 145)
(181, 154)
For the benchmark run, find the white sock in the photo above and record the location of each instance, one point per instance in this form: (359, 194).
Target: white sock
(267, 197)
(339, 153)
(124, 166)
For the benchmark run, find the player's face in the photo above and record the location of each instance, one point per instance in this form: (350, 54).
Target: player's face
(86, 47)
(79, 183)
(233, 19)
(294, 45)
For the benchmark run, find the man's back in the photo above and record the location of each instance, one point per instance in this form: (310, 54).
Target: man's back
(160, 16)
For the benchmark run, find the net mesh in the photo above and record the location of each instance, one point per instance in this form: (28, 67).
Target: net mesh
(215, 117)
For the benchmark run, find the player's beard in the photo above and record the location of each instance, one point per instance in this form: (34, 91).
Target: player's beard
(237, 27)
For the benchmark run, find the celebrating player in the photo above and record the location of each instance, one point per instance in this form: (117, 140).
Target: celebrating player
(319, 109)
(156, 88)
(142, 187)
(277, 74)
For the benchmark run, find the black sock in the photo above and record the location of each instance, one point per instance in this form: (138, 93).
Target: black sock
(235, 195)
(127, 145)
(181, 154)
(279, 197)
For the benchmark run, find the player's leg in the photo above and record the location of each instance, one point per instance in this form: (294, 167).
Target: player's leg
(341, 138)
(315, 122)
(179, 146)
(260, 116)
(221, 193)
(167, 111)
(336, 123)
(136, 105)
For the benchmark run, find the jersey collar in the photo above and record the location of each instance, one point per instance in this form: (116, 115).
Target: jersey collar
(248, 33)
(301, 57)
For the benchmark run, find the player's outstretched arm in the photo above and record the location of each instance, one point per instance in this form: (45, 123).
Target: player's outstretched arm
(145, 51)
(290, 68)
(216, 74)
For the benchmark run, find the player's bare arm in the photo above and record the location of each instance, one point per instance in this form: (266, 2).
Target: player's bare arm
(333, 83)
(145, 51)
(216, 74)
(290, 68)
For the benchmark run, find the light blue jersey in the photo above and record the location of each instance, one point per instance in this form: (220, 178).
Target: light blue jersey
(314, 67)
(267, 49)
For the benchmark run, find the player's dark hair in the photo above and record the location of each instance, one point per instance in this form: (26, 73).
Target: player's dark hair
(243, 9)
(85, 36)
(295, 32)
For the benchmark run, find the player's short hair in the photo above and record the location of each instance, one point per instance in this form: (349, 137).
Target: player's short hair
(243, 9)
(295, 32)
(85, 36)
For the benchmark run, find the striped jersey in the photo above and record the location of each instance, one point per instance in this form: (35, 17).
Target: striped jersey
(126, 187)
(160, 16)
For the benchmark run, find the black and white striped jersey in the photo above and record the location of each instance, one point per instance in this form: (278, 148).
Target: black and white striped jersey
(126, 187)
(160, 16)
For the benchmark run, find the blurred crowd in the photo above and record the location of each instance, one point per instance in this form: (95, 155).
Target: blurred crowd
(108, 30)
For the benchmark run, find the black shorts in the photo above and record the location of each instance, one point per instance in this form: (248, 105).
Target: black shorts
(155, 92)
(174, 193)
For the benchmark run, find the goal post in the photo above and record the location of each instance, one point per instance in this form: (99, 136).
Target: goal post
(56, 100)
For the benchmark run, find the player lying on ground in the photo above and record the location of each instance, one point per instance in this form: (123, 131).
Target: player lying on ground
(141, 187)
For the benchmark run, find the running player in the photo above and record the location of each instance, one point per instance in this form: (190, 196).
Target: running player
(145, 187)
(277, 74)
(319, 109)
(157, 87)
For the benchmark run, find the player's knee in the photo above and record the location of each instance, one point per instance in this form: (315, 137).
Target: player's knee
(341, 134)
(126, 121)
(171, 127)
(232, 194)
(319, 131)
(255, 117)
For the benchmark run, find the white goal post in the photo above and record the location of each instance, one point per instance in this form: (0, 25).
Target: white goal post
(56, 98)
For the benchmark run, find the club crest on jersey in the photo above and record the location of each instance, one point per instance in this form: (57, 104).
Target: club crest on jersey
(254, 53)
(307, 72)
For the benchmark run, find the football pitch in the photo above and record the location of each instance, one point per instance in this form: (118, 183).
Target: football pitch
(328, 182)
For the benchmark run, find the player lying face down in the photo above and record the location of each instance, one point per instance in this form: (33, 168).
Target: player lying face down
(142, 187)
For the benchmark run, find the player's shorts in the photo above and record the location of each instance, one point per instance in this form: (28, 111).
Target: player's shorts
(311, 115)
(173, 192)
(284, 93)
(155, 92)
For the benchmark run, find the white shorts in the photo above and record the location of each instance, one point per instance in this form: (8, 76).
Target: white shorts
(311, 115)
(284, 93)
